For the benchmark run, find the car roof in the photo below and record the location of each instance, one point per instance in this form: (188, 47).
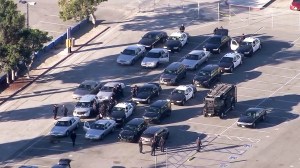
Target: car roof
(155, 32)
(230, 55)
(176, 34)
(196, 52)
(102, 121)
(111, 84)
(181, 87)
(65, 119)
(89, 82)
(122, 105)
(159, 103)
(133, 47)
(254, 109)
(174, 65)
(157, 50)
(249, 39)
(136, 121)
(87, 98)
(152, 129)
(210, 67)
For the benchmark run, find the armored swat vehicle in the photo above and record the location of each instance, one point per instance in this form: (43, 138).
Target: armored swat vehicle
(220, 100)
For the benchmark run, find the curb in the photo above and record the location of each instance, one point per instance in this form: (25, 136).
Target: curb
(52, 67)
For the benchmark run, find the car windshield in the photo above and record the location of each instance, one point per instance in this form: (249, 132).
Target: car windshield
(85, 87)
(147, 135)
(153, 109)
(203, 73)
(119, 109)
(153, 55)
(192, 57)
(245, 43)
(106, 89)
(128, 52)
(214, 40)
(168, 71)
(178, 91)
(145, 89)
(149, 36)
(130, 127)
(62, 123)
(173, 38)
(83, 104)
(226, 59)
(97, 126)
(250, 113)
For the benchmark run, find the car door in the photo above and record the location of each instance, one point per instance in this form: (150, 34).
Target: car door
(235, 61)
(188, 93)
(183, 39)
(164, 56)
(129, 111)
(234, 44)
(202, 58)
(86, 126)
(256, 45)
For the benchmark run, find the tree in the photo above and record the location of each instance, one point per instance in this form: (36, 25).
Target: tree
(77, 9)
(31, 41)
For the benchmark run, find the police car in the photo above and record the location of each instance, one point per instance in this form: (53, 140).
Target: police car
(176, 41)
(247, 47)
(182, 94)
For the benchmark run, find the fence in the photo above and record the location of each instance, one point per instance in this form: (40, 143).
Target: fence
(61, 39)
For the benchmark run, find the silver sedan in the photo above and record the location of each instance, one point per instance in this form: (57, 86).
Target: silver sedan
(99, 128)
(131, 54)
(195, 58)
(64, 126)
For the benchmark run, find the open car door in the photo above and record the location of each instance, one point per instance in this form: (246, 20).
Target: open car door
(234, 44)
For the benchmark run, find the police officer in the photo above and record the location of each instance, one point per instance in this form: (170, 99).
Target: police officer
(153, 147)
(120, 91)
(135, 91)
(141, 146)
(55, 110)
(64, 110)
(199, 144)
(182, 28)
(162, 142)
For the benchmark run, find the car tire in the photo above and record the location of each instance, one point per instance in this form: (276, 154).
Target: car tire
(183, 102)
(263, 118)
(254, 125)
(222, 116)
(67, 133)
(205, 115)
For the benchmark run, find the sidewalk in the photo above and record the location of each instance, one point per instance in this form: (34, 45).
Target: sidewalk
(50, 60)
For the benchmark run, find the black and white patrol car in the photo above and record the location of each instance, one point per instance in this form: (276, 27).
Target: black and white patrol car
(246, 47)
(182, 94)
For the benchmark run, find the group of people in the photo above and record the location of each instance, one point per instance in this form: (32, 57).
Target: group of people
(161, 144)
(155, 143)
(64, 111)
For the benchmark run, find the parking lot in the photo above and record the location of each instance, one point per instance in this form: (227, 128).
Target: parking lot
(268, 79)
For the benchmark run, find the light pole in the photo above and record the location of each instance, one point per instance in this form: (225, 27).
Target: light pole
(27, 9)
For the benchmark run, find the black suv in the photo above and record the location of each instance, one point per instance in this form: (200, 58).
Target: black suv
(133, 130)
(157, 110)
(173, 73)
(207, 76)
(154, 132)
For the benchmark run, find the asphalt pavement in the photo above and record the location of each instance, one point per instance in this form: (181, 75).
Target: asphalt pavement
(268, 79)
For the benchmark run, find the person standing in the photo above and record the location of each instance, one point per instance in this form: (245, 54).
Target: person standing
(64, 110)
(199, 144)
(141, 146)
(73, 137)
(162, 142)
(55, 110)
(153, 146)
